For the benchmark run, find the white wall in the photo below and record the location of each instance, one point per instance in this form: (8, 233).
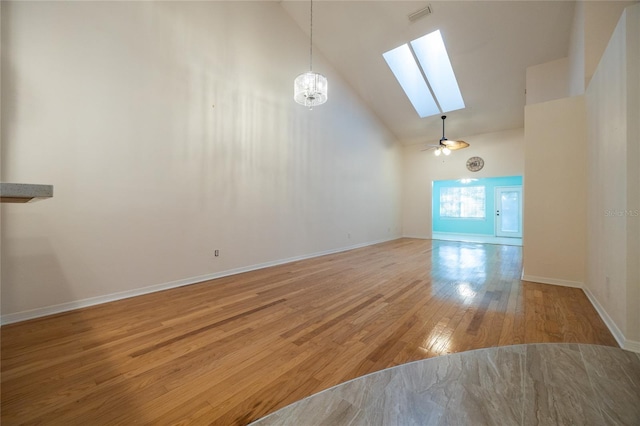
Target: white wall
(582, 199)
(503, 156)
(613, 250)
(593, 24)
(555, 192)
(633, 175)
(577, 51)
(600, 17)
(548, 81)
(112, 103)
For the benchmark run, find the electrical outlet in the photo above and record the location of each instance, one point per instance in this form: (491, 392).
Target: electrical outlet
(216, 253)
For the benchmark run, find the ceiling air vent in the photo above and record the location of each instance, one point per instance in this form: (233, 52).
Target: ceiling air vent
(420, 13)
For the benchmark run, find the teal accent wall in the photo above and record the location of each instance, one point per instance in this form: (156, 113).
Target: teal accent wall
(475, 226)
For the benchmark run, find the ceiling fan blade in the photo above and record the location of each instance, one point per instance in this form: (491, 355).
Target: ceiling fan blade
(446, 143)
(454, 145)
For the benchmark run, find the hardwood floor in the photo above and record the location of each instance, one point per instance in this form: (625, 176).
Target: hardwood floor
(232, 350)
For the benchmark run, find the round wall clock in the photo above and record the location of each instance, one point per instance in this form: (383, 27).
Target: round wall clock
(475, 164)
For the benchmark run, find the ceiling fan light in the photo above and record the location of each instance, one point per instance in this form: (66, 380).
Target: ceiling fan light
(437, 152)
(446, 151)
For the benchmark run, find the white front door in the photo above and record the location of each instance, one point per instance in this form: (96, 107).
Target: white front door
(509, 211)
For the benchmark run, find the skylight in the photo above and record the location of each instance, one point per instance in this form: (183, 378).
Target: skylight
(428, 76)
(406, 70)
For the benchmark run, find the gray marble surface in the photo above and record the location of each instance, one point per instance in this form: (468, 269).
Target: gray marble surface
(25, 191)
(536, 384)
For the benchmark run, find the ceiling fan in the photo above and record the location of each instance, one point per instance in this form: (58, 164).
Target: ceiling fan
(445, 146)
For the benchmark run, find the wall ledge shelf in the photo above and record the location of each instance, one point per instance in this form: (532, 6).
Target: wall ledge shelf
(24, 192)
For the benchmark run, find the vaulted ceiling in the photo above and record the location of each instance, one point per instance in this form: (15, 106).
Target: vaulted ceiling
(490, 44)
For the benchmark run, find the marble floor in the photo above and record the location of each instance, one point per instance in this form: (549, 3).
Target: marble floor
(533, 384)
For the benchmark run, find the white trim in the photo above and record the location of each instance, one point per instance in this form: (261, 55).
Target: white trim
(77, 304)
(610, 323)
(477, 238)
(418, 237)
(552, 281)
(632, 345)
(629, 345)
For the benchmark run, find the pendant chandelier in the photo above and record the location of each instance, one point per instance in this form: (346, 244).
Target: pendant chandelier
(310, 88)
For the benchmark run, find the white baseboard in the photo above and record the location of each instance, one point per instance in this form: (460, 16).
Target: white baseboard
(77, 304)
(629, 345)
(418, 237)
(613, 328)
(552, 281)
(632, 345)
(470, 238)
(624, 343)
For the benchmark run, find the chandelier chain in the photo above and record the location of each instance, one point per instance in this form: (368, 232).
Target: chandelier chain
(311, 38)
(310, 88)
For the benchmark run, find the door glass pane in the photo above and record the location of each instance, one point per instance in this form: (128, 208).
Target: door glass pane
(510, 213)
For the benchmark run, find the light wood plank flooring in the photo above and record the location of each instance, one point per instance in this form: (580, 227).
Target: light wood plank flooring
(232, 350)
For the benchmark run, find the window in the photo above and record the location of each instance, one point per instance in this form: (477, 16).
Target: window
(424, 71)
(465, 202)
(408, 74)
